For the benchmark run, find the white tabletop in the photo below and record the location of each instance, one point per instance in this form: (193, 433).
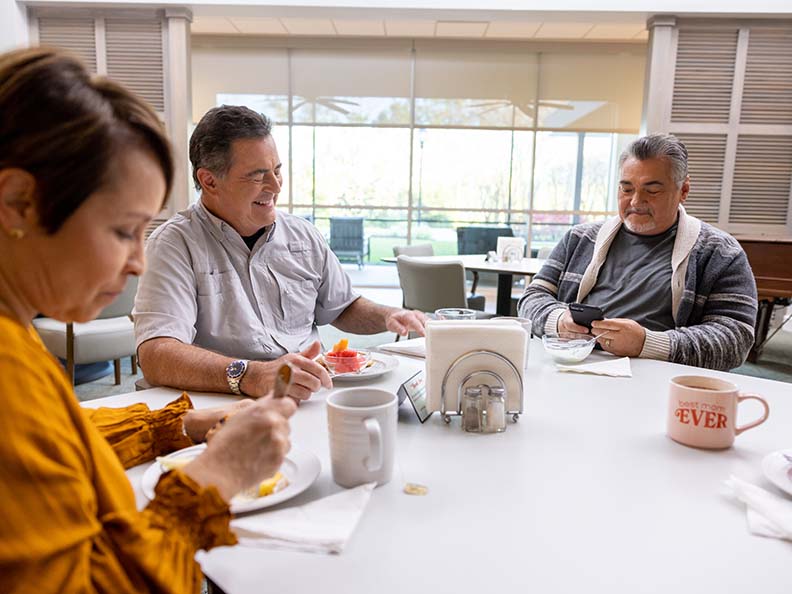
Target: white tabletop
(584, 494)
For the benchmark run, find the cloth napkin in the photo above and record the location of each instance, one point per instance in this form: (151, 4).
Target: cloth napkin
(322, 526)
(611, 367)
(767, 514)
(415, 347)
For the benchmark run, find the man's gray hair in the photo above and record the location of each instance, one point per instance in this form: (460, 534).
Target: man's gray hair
(660, 146)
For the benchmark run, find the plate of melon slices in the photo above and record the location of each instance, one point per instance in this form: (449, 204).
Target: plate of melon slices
(345, 363)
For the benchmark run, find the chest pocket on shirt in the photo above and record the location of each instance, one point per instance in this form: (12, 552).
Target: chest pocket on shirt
(297, 295)
(298, 301)
(299, 246)
(212, 283)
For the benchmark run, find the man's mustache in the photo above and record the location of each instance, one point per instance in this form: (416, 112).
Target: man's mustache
(638, 211)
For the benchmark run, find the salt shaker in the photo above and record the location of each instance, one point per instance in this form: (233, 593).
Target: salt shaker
(472, 409)
(494, 406)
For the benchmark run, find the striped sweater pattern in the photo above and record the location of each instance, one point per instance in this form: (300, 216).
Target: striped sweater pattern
(713, 292)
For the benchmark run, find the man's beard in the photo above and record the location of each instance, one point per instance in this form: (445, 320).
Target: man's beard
(639, 227)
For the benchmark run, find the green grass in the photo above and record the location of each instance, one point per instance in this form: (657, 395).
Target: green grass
(382, 247)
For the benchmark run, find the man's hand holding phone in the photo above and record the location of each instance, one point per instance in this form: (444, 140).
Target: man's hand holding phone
(578, 318)
(583, 314)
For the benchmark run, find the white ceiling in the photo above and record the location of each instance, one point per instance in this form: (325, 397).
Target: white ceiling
(466, 29)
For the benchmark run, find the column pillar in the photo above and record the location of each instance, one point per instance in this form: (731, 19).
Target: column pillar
(659, 82)
(178, 100)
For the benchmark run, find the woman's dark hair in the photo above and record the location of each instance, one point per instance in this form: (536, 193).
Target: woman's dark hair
(210, 144)
(66, 127)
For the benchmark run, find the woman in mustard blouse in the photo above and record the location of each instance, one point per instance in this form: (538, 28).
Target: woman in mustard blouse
(84, 166)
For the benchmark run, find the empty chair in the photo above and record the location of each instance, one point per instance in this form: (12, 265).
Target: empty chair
(347, 239)
(480, 240)
(544, 253)
(427, 286)
(110, 336)
(419, 249)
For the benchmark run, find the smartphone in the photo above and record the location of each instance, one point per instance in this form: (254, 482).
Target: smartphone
(583, 315)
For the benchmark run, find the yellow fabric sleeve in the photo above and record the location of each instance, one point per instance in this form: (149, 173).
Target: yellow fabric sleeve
(68, 518)
(138, 434)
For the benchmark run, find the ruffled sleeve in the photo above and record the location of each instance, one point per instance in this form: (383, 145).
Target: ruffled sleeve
(201, 512)
(138, 434)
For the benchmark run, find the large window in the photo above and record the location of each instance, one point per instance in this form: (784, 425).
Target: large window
(421, 138)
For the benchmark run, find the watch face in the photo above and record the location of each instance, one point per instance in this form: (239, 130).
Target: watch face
(235, 369)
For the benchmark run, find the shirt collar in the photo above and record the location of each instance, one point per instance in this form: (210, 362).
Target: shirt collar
(218, 227)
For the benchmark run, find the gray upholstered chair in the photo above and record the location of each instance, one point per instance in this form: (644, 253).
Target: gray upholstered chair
(110, 336)
(418, 249)
(427, 286)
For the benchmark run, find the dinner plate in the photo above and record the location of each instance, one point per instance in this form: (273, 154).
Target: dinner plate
(300, 468)
(380, 365)
(778, 470)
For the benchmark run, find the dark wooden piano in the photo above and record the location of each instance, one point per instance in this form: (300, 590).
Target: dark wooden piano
(771, 261)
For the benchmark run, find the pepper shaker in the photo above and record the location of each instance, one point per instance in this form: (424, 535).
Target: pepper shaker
(472, 410)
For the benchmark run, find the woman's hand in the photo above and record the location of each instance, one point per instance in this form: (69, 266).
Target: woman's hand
(197, 422)
(248, 449)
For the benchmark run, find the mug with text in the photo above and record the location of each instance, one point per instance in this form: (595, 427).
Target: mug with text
(702, 411)
(362, 427)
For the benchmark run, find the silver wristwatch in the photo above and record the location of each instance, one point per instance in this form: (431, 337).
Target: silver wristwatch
(234, 374)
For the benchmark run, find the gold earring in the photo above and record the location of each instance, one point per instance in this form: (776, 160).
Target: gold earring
(15, 233)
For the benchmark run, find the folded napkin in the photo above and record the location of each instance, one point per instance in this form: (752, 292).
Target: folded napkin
(322, 526)
(415, 347)
(767, 514)
(612, 368)
(447, 340)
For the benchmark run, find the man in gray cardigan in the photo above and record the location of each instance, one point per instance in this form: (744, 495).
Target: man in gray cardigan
(671, 286)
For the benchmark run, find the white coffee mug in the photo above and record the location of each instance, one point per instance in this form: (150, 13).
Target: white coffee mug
(361, 423)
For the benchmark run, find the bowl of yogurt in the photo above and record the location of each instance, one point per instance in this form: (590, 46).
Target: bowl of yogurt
(569, 347)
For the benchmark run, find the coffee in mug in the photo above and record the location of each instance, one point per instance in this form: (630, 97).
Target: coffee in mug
(702, 411)
(361, 423)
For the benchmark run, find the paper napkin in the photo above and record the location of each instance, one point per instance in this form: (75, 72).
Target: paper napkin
(612, 368)
(767, 514)
(447, 341)
(415, 347)
(322, 526)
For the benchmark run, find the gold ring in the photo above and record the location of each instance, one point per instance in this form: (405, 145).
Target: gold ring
(607, 342)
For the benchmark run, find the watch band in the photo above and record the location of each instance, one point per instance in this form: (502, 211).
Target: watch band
(234, 374)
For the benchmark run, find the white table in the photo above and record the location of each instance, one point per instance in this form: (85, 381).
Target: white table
(504, 270)
(584, 494)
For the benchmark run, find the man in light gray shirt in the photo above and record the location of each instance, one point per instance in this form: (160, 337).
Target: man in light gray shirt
(233, 287)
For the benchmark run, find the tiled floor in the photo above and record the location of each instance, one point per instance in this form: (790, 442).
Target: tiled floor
(380, 283)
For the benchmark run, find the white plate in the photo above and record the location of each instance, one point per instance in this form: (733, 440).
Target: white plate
(381, 364)
(300, 468)
(777, 470)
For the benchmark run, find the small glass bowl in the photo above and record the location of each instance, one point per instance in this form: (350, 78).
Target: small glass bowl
(455, 313)
(569, 347)
(339, 365)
